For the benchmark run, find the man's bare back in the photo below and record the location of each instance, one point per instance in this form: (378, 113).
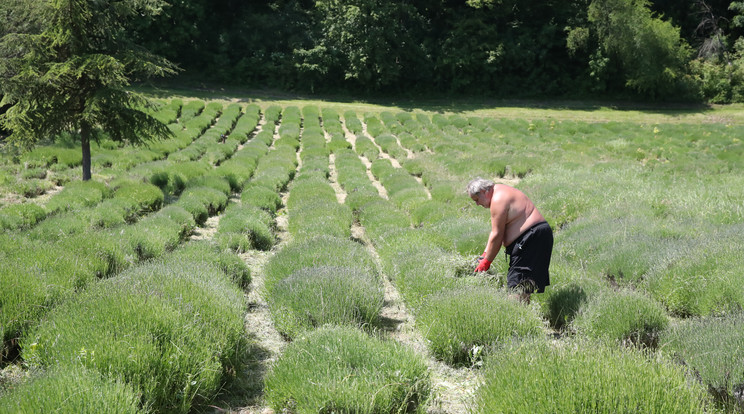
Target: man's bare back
(512, 213)
(521, 212)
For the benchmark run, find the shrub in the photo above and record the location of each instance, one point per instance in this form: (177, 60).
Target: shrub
(180, 217)
(208, 252)
(243, 228)
(211, 181)
(583, 377)
(170, 329)
(430, 213)
(468, 235)
(262, 198)
(114, 212)
(18, 216)
(39, 173)
(36, 275)
(94, 254)
(196, 207)
(315, 296)
(32, 187)
(344, 370)
(60, 226)
(366, 148)
(380, 217)
(711, 349)
(147, 196)
(459, 324)
(78, 194)
(71, 390)
(622, 316)
(563, 301)
(316, 251)
(423, 270)
(321, 218)
(152, 237)
(214, 200)
(702, 277)
(353, 123)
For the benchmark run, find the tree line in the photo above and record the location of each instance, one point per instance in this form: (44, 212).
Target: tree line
(641, 49)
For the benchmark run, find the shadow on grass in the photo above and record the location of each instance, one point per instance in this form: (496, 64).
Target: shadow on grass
(431, 102)
(244, 386)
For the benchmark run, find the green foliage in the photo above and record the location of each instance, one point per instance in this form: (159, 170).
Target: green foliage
(71, 390)
(18, 216)
(624, 316)
(654, 69)
(155, 312)
(711, 349)
(314, 210)
(72, 77)
(207, 252)
(77, 195)
(460, 325)
(245, 227)
(114, 212)
(374, 58)
(564, 301)
(146, 197)
(262, 198)
(342, 369)
(584, 377)
(214, 200)
(722, 80)
(699, 278)
(316, 251)
(325, 295)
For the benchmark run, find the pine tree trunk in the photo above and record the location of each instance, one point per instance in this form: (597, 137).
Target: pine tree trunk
(85, 138)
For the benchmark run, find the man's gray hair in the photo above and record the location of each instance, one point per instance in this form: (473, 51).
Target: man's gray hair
(478, 185)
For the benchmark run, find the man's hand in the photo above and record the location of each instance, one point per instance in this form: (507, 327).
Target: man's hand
(483, 265)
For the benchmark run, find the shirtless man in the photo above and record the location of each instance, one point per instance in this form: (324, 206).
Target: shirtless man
(521, 229)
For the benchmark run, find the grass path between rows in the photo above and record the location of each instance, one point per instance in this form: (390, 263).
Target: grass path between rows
(452, 387)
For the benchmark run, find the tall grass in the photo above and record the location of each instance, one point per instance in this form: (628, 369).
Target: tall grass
(584, 377)
(316, 251)
(710, 348)
(325, 295)
(625, 316)
(245, 227)
(344, 370)
(461, 325)
(71, 390)
(169, 328)
(18, 216)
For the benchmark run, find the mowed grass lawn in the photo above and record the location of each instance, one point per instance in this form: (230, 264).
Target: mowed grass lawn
(647, 206)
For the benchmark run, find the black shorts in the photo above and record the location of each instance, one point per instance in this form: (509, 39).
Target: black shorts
(530, 259)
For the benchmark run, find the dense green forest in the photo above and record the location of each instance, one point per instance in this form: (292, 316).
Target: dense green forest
(639, 49)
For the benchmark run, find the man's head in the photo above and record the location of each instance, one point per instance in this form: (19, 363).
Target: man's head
(480, 190)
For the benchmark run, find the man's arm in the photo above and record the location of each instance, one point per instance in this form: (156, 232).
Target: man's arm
(499, 213)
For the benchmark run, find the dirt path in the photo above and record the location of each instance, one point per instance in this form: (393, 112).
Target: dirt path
(367, 163)
(394, 161)
(453, 388)
(267, 344)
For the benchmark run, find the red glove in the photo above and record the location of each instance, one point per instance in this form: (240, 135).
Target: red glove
(483, 265)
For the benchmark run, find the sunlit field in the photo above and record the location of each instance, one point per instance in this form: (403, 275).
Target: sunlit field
(349, 224)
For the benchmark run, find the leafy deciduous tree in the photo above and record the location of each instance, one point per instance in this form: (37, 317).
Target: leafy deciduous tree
(649, 51)
(376, 43)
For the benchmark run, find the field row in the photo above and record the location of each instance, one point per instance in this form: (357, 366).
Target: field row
(155, 322)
